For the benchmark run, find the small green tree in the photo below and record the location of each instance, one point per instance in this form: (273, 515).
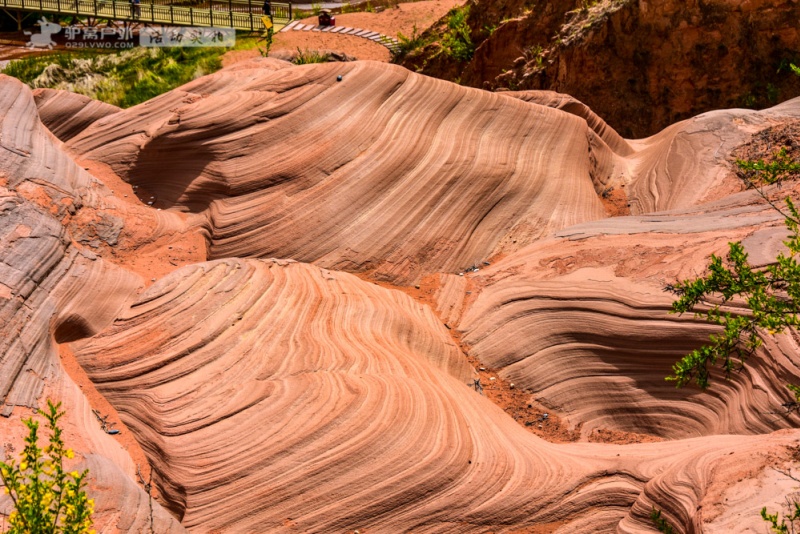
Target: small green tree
(46, 498)
(778, 524)
(772, 294)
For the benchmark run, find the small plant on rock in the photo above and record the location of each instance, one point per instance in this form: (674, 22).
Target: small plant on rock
(304, 57)
(46, 498)
(660, 523)
(778, 524)
(412, 42)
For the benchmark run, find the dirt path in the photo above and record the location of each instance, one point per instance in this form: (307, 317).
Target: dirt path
(402, 19)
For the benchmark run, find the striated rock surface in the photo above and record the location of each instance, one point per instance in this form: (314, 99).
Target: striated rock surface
(259, 414)
(67, 114)
(283, 395)
(53, 291)
(583, 322)
(380, 184)
(362, 175)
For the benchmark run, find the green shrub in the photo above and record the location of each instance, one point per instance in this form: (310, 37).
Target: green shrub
(783, 527)
(305, 57)
(28, 69)
(661, 524)
(46, 498)
(456, 41)
(413, 42)
(772, 294)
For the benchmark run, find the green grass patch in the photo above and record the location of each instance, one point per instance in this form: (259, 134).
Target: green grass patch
(123, 79)
(304, 57)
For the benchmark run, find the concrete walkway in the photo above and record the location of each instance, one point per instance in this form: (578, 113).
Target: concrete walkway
(389, 42)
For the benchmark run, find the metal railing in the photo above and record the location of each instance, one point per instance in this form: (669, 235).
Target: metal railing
(238, 14)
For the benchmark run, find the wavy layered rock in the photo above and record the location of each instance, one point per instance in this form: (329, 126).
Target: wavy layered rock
(304, 428)
(583, 321)
(67, 114)
(365, 174)
(285, 395)
(31, 157)
(54, 291)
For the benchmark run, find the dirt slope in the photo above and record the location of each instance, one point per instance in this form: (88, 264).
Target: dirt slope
(640, 65)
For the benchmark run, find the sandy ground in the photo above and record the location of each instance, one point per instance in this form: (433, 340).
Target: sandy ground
(390, 22)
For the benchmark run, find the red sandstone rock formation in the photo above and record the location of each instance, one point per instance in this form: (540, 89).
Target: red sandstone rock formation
(286, 395)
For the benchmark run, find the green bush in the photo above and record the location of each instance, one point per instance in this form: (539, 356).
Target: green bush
(304, 57)
(660, 523)
(782, 527)
(772, 294)
(413, 42)
(46, 498)
(456, 41)
(28, 69)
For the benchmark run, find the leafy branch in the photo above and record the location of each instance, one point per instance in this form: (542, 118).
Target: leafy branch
(770, 293)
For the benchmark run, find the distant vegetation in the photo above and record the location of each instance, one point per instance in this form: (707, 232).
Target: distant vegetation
(124, 79)
(456, 41)
(453, 39)
(304, 57)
